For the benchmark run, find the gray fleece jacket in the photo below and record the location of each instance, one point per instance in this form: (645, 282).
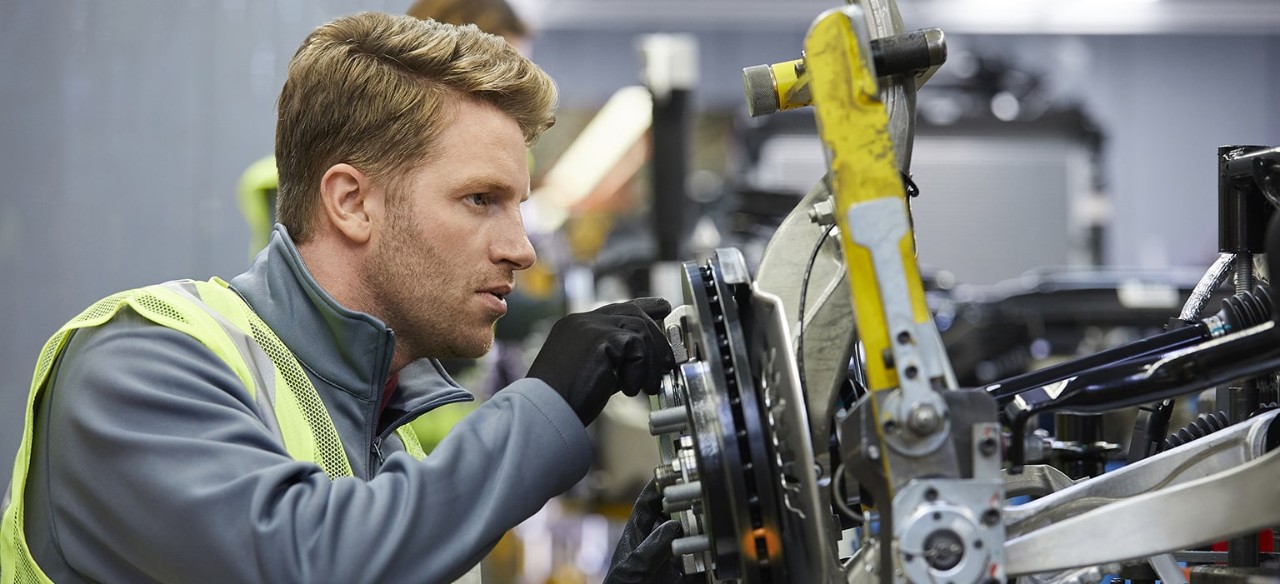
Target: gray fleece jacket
(152, 462)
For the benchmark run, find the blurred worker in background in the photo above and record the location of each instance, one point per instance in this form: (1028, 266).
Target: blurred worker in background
(492, 16)
(253, 431)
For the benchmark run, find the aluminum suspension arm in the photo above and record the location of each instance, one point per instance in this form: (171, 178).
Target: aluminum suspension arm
(1214, 488)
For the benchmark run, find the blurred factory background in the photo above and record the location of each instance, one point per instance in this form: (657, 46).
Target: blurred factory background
(1060, 132)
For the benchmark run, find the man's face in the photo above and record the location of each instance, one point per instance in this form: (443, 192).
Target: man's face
(442, 267)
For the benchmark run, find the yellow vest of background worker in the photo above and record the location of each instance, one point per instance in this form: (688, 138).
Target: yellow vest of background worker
(217, 317)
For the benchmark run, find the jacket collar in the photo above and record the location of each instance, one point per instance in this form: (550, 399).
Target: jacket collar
(347, 349)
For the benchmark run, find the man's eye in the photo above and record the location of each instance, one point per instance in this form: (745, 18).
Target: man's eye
(478, 199)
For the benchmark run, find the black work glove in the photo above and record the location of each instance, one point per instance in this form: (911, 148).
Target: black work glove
(643, 555)
(590, 355)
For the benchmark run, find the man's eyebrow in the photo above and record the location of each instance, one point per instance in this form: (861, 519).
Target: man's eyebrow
(484, 184)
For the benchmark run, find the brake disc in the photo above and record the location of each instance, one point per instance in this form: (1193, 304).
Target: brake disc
(720, 468)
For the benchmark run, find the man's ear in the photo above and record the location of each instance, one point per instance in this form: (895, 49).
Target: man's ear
(349, 202)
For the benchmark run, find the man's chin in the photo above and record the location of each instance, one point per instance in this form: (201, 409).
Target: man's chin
(471, 348)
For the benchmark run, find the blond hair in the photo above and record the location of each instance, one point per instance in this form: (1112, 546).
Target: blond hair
(372, 90)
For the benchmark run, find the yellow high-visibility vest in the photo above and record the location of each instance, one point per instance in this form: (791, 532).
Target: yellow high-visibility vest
(216, 316)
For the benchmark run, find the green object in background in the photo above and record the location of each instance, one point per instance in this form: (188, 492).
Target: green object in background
(432, 426)
(257, 196)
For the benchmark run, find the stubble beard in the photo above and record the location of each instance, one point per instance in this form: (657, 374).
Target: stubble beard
(421, 299)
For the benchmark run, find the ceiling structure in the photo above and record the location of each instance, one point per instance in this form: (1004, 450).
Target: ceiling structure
(1075, 17)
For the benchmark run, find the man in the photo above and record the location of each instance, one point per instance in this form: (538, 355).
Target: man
(252, 431)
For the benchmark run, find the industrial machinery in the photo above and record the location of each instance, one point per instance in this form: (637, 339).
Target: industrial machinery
(814, 430)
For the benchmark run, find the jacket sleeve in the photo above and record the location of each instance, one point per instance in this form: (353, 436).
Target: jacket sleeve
(165, 473)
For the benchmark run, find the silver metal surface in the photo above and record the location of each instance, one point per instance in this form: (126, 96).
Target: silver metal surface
(958, 518)
(1036, 480)
(681, 496)
(1211, 281)
(760, 89)
(1089, 575)
(694, 544)
(986, 454)
(672, 419)
(1220, 451)
(1167, 568)
(674, 327)
(806, 516)
(863, 567)
(676, 450)
(1244, 272)
(937, 42)
(879, 226)
(899, 92)
(828, 331)
(823, 212)
(1161, 509)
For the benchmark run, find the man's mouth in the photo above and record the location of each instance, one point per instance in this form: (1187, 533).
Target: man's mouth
(500, 292)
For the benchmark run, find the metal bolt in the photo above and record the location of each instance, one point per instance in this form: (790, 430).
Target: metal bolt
(873, 452)
(943, 549)
(681, 496)
(694, 544)
(990, 517)
(911, 372)
(931, 495)
(988, 446)
(823, 212)
(904, 337)
(924, 419)
(665, 475)
(673, 419)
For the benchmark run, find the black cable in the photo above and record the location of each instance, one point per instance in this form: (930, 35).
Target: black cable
(804, 292)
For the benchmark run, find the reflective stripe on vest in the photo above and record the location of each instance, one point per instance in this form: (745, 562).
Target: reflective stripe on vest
(216, 316)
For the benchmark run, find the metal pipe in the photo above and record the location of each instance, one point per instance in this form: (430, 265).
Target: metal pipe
(1149, 378)
(1179, 338)
(1208, 284)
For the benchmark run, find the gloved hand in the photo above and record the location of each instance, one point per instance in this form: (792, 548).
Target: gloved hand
(590, 355)
(643, 555)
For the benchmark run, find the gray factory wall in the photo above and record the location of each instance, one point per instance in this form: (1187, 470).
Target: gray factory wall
(124, 131)
(127, 125)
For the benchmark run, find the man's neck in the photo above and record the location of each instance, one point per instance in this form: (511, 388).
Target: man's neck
(331, 266)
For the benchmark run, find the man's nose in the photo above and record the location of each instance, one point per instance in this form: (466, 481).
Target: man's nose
(513, 247)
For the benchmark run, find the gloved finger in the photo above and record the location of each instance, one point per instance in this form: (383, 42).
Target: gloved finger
(643, 311)
(650, 562)
(659, 359)
(647, 510)
(641, 361)
(658, 545)
(626, 351)
(655, 307)
(650, 496)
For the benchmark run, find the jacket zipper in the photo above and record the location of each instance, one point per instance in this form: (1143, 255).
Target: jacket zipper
(375, 461)
(453, 398)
